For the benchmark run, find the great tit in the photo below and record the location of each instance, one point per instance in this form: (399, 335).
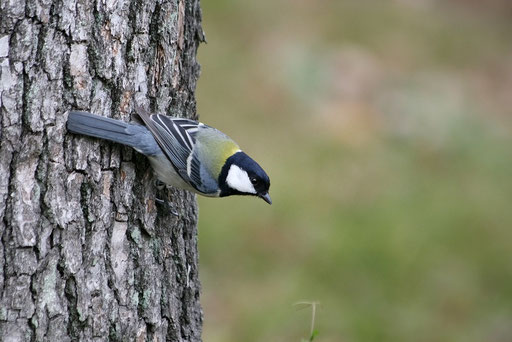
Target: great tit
(183, 153)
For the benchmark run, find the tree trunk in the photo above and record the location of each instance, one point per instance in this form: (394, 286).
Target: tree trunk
(85, 252)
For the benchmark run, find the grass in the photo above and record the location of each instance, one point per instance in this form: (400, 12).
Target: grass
(312, 332)
(385, 131)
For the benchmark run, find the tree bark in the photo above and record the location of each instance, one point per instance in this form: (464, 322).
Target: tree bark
(85, 251)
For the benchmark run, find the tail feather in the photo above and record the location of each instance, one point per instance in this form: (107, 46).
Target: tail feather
(132, 135)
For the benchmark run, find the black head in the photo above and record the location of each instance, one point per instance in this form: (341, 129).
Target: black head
(241, 175)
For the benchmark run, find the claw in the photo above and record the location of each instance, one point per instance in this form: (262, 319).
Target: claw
(167, 206)
(159, 184)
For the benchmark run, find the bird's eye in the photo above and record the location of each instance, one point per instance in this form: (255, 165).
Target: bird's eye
(254, 181)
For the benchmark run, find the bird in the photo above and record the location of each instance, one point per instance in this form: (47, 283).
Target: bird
(183, 153)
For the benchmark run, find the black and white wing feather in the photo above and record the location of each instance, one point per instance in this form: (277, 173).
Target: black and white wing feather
(176, 137)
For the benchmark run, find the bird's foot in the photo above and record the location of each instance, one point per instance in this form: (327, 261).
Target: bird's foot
(167, 206)
(159, 184)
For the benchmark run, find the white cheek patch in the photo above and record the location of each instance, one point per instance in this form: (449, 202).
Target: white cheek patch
(239, 180)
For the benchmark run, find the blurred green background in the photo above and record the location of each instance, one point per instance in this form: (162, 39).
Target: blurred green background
(385, 127)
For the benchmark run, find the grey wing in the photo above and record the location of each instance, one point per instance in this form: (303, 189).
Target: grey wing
(177, 143)
(176, 138)
(185, 130)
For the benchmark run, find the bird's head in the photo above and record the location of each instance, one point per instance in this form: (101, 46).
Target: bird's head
(241, 175)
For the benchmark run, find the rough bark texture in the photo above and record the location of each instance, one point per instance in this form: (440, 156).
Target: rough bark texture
(85, 253)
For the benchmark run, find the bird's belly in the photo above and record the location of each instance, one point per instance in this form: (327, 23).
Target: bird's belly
(165, 172)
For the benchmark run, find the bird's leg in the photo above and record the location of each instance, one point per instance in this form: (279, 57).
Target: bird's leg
(167, 205)
(159, 184)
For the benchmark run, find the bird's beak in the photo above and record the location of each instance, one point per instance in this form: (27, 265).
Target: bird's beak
(266, 198)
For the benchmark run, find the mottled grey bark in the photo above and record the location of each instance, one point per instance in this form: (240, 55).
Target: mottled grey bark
(85, 253)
